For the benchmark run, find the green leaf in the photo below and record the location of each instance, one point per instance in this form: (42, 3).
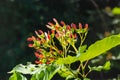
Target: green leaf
(17, 76)
(39, 72)
(98, 68)
(33, 77)
(13, 77)
(41, 76)
(46, 73)
(65, 72)
(86, 79)
(77, 79)
(69, 77)
(25, 69)
(38, 76)
(99, 47)
(81, 49)
(67, 60)
(52, 71)
(106, 66)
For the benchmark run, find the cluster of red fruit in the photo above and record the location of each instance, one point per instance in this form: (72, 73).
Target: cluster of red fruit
(46, 50)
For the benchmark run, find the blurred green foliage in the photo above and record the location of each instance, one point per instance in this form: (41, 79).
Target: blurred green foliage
(116, 11)
(20, 18)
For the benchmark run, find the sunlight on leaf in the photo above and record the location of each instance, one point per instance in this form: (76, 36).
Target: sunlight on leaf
(116, 11)
(66, 73)
(106, 66)
(67, 60)
(17, 76)
(100, 47)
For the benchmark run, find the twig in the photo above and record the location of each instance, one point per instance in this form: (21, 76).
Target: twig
(100, 14)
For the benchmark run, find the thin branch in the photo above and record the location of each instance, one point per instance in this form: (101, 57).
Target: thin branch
(100, 14)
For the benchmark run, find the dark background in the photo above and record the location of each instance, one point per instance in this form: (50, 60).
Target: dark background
(20, 18)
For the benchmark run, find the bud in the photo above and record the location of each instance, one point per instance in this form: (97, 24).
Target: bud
(47, 62)
(29, 39)
(39, 55)
(73, 25)
(56, 35)
(71, 36)
(68, 27)
(38, 62)
(63, 23)
(57, 24)
(56, 28)
(38, 39)
(48, 26)
(36, 33)
(55, 20)
(80, 25)
(60, 52)
(30, 45)
(86, 26)
(75, 35)
(48, 36)
(33, 37)
(39, 50)
(51, 24)
(53, 31)
(51, 59)
(40, 31)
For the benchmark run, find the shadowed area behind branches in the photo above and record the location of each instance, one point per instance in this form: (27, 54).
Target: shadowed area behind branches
(20, 18)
